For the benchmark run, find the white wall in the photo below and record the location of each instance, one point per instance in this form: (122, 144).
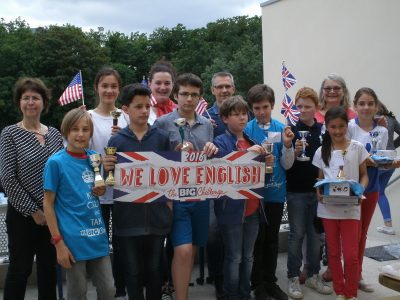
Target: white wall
(358, 39)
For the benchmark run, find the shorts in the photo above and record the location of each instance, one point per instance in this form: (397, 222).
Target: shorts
(190, 224)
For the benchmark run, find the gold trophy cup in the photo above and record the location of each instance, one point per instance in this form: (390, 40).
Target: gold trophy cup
(110, 180)
(95, 161)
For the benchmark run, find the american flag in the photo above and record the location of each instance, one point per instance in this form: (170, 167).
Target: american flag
(289, 110)
(201, 106)
(153, 101)
(73, 92)
(288, 79)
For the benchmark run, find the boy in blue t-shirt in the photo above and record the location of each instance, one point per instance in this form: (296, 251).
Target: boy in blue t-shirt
(72, 211)
(261, 99)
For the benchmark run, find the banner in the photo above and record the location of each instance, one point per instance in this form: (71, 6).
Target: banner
(145, 177)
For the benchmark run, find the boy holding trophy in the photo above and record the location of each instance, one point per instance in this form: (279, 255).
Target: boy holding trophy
(140, 227)
(72, 185)
(302, 200)
(188, 131)
(262, 99)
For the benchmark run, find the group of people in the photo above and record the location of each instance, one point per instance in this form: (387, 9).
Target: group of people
(58, 214)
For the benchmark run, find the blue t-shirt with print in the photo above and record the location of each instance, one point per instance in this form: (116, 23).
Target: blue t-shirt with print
(77, 210)
(275, 183)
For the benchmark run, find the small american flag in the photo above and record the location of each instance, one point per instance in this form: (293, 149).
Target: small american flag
(289, 110)
(288, 79)
(73, 92)
(201, 106)
(153, 101)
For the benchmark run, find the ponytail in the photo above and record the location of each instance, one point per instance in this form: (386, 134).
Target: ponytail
(326, 148)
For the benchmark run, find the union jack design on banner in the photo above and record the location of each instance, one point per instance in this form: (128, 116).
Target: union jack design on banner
(289, 110)
(73, 92)
(201, 107)
(288, 79)
(146, 177)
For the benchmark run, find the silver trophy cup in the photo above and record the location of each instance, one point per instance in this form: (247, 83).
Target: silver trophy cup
(269, 148)
(303, 156)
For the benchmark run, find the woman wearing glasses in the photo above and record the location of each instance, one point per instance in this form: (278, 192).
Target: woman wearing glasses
(333, 93)
(24, 150)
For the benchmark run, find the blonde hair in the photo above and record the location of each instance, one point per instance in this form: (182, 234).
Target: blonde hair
(73, 116)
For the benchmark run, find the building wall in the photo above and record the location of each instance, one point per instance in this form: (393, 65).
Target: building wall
(357, 39)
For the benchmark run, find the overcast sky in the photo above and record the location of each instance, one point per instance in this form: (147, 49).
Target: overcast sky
(126, 15)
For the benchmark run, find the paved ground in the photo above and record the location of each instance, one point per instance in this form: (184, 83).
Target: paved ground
(370, 266)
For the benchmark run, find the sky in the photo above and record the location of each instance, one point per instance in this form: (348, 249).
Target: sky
(124, 15)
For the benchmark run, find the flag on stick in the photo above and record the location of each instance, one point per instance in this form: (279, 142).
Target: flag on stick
(73, 92)
(153, 101)
(201, 106)
(289, 110)
(288, 79)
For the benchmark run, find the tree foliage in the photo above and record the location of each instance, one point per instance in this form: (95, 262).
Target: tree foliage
(56, 53)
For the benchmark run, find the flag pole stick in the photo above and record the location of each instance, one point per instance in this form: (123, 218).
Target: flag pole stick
(209, 117)
(83, 97)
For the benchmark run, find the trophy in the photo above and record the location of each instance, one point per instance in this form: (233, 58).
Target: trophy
(115, 115)
(340, 174)
(180, 123)
(110, 180)
(303, 135)
(95, 161)
(374, 141)
(269, 148)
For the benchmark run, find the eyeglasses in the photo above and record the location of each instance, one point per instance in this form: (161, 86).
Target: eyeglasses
(332, 88)
(192, 95)
(222, 86)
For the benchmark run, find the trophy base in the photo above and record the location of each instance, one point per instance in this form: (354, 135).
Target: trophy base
(269, 170)
(303, 158)
(99, 183)
(110, 182)
(185, 146)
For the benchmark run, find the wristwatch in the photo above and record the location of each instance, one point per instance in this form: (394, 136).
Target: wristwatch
(55, 239)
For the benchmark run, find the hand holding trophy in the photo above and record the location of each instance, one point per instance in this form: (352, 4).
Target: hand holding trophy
(269, 148)
(115, 114)
(303, 156)
(180, 123)
(95, 161)
(110, 180)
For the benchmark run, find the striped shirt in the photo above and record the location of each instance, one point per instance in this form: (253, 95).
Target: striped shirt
(22, 160)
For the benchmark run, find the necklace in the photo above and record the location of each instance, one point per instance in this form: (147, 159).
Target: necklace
(41, 131)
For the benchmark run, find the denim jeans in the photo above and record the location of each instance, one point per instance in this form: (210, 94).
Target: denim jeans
(302, 211)
(143, 265)
(239, 240)
(25, 240)
(384, 176)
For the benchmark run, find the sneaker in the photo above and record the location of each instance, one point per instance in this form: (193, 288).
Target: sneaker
(316, 283)
(386, 230)
(365, 287)
(294, 290)
(273, 290)
(340, 297)
(327, 275)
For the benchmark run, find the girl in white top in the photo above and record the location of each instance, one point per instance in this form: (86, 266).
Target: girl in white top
(341, 222)
(362, 128)
(107, 85)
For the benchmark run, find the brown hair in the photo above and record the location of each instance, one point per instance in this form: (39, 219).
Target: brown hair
(233, 104)
(73, 116)
(260, 92)
(307, 93)
(188, 79)
(25, 84)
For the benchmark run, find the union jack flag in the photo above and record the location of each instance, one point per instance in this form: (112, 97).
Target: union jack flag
(288, 79)
(73, 92)
(201, 107)
(289, 110)
(153, 101)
